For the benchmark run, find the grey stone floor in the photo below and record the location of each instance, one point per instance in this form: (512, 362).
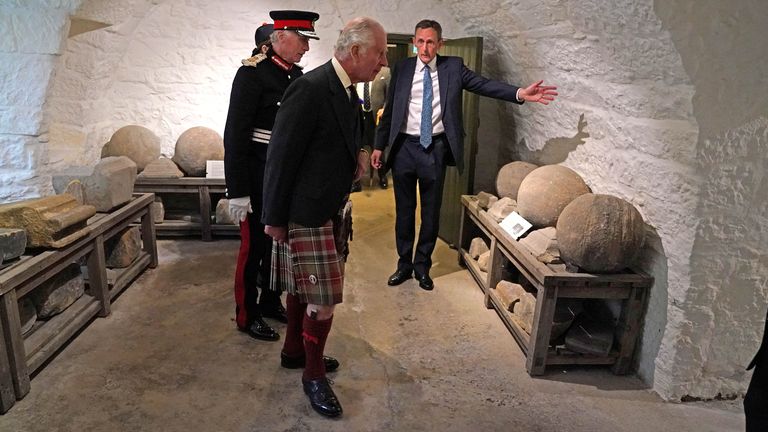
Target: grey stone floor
(169, 359)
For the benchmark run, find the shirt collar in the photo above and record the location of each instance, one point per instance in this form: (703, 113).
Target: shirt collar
(432, 64)
(341, 73)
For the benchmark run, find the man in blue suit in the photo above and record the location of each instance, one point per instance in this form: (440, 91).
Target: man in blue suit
(422, 122)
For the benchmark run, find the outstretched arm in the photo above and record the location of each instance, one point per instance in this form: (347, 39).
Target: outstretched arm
(538, 93)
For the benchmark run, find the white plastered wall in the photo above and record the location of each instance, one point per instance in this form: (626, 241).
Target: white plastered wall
(646, 113)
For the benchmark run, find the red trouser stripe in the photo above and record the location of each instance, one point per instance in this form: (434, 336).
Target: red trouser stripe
(242, 259)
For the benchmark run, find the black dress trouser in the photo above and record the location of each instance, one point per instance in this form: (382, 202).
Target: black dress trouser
(413, 166)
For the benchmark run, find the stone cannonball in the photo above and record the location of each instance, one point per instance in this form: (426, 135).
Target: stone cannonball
(196, 146)
(545, 192)
(138, 143)
(510, 176)
(600, 233)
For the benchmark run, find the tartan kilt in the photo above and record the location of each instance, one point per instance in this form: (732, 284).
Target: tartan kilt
(309, 265)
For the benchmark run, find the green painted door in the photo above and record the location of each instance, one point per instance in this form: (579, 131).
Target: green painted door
(471, 50)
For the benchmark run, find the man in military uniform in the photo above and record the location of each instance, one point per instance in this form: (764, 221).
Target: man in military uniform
(257, 90)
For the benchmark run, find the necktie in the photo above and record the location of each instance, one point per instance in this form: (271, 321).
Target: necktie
(425, 131)
(353, 99)
(367, 96)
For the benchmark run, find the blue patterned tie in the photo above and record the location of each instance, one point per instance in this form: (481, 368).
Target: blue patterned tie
(425, 132)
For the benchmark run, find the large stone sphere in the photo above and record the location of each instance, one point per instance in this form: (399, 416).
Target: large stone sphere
(196, 146)
(600, 233)
(510, 176)
(137, 143)
(545, 192)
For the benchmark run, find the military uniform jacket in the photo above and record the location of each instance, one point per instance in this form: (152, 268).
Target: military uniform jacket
(257, 91)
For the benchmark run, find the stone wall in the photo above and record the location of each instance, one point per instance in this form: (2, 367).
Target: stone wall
(31, 35)
(661, 104)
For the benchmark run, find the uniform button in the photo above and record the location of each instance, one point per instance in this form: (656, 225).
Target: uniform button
(313, 279)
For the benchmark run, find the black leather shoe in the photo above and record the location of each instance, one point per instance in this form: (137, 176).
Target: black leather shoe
(425, 282)
(321, 397)
(260, 330)
(398, 277)
(331, 364)
(356, 187)
(383, 182)
(277, 314)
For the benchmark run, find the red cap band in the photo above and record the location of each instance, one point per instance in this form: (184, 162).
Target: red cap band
(291, 24)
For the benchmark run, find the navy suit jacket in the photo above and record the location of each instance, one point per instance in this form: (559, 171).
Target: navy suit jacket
(453, 77)
(312, 154)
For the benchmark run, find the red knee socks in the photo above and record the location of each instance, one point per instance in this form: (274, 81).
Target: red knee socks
(293, 346)
(315, 334)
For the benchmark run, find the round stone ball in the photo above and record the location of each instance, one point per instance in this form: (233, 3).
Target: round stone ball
(510, 176)
(600, 233)
(196, 146)
(545, 192)
(137, 143)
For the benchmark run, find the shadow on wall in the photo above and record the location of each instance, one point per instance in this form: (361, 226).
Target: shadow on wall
(556, 150)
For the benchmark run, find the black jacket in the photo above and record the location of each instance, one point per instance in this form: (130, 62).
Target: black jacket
(312, 155)
(454, 77)
(256, 94)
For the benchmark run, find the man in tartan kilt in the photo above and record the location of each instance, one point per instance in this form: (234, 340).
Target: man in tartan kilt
(314, 155)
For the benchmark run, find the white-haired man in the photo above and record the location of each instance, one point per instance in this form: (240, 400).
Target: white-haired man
(314, 156)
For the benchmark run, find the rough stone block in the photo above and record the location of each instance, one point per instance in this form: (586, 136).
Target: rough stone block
(502, 208)
(485, 200)
(477, 247)
(122, 249)
(13, 241)
(162, 168)
(53, 221)
(543, 245)
(59, 292)
(483, 260)
(106, 186)
(77, 190)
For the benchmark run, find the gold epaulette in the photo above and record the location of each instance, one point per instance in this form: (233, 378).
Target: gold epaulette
(253, 61)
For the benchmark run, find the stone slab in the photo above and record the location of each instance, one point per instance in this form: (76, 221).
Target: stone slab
(13, 241)
(59, 292)
(53, 221)
(106, 185)
(121, 250)
(162, 168)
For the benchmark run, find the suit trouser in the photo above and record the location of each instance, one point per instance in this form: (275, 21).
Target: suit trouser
(369, 135)
(413, 165)
(254, 263)
(756, 401)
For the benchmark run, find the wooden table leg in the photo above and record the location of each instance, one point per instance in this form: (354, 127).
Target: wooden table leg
(148, 237)
(7, 393)
(536, 361)
(205, 212)
(97, 276)
(14, 343)
(629, 322)
(496, 264)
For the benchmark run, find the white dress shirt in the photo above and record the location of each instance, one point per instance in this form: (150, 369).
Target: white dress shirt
(413, 125)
